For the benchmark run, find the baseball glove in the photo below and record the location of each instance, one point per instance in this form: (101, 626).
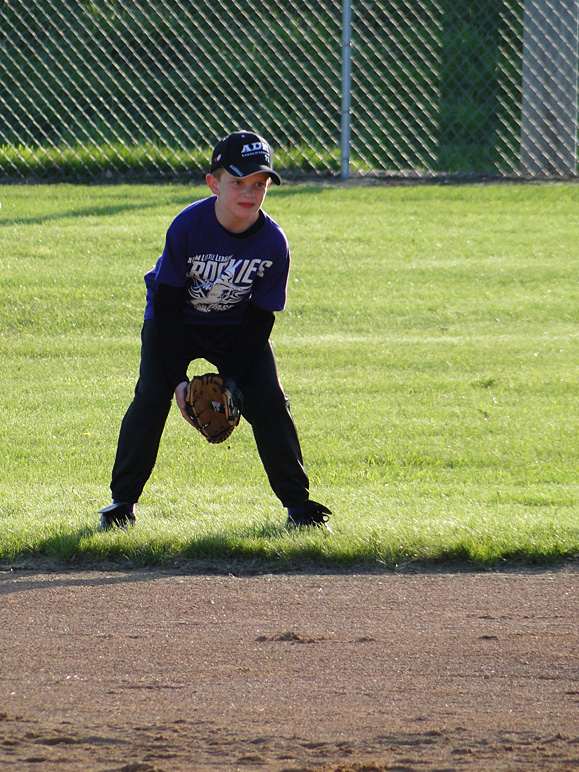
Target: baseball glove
(214, 405)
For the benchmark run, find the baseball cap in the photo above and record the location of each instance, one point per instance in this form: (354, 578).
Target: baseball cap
(243, 153)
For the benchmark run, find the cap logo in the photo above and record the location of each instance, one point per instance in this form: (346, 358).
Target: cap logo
(255, 148)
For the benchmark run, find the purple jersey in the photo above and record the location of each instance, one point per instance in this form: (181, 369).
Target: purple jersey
(220, 271)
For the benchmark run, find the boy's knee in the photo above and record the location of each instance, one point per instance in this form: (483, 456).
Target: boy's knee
(268, 405)
(153, 394)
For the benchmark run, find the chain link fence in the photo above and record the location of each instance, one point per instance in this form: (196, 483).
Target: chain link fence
(142, 89)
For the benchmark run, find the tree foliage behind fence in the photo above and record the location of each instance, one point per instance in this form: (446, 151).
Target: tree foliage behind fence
(144, 88)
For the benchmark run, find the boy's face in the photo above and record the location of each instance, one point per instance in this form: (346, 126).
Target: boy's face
(239, 199)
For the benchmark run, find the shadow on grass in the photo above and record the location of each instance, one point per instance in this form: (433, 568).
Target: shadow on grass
(137, 204)
(266, 549)
(80, 212)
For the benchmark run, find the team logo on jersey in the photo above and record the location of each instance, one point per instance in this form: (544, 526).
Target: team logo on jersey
(220, 282)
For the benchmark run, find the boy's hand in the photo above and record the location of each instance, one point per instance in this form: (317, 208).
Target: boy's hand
(180, 392)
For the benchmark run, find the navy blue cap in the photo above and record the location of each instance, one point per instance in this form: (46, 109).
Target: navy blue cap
(244, 153)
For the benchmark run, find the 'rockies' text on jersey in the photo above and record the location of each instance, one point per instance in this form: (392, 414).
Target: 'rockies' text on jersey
(221, 271)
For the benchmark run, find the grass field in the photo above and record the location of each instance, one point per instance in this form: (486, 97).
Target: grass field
(430, 349)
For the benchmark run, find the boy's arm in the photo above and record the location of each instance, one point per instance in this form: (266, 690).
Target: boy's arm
(268, 292)
(168, 305)
(252, 336)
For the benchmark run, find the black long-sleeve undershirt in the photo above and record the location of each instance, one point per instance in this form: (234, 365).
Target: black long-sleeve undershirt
(248, 339)
(168, 305)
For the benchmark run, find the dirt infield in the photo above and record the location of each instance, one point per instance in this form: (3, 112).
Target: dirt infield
(147, 671)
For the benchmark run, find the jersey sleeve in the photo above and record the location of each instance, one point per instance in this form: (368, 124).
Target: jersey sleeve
(270, 287)
(171, 267)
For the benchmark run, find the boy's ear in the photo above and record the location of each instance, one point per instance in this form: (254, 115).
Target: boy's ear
(213, 183)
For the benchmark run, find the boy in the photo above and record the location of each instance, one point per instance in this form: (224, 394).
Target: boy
(212, 295)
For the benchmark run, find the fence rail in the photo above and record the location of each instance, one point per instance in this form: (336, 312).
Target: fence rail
(137, 89)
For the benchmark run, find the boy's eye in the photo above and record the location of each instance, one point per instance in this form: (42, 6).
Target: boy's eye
(237, 183)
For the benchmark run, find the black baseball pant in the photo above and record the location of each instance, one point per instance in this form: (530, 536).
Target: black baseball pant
(265, 407)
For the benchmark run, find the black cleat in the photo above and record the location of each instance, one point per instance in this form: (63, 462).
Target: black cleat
(313, 515)
(119, 515)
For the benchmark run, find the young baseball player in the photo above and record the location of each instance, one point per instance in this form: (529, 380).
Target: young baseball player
(213, 294)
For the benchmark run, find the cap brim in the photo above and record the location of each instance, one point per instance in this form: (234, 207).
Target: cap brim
(246, 170)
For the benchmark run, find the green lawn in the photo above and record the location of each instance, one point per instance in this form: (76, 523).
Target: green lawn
(430, 349)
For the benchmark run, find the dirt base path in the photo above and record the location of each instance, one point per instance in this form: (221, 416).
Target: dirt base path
(147, 671)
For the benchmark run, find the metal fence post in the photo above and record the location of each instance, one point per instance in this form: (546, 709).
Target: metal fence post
(346, 87)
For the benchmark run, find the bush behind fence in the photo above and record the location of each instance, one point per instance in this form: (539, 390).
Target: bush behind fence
(135, 88)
